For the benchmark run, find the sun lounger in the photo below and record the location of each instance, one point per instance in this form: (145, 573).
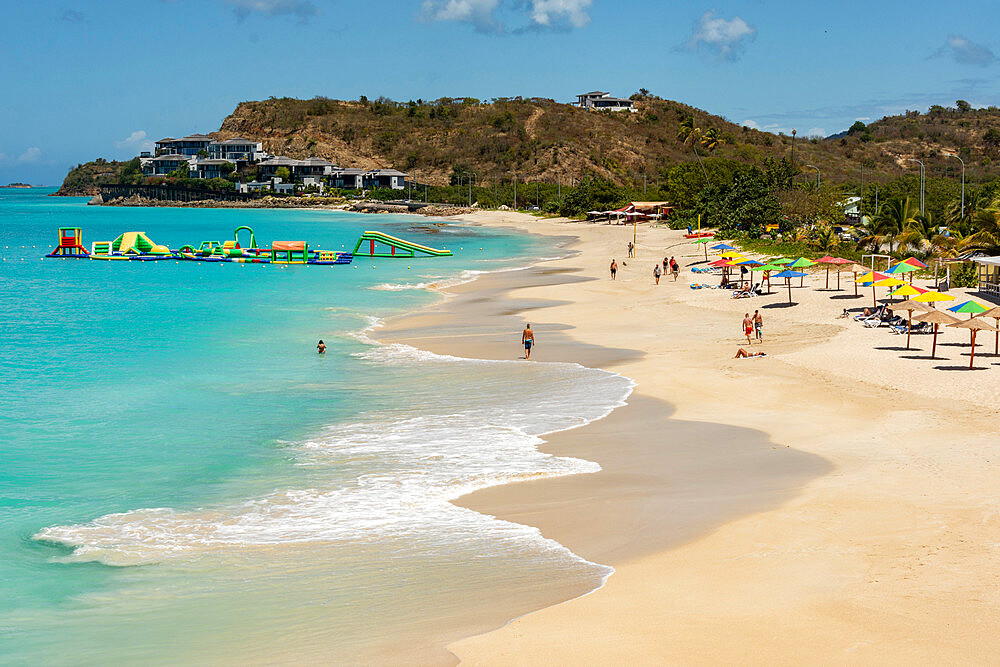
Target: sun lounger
(748, 292)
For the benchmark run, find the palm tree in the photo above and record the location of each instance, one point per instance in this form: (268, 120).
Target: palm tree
(689, 134)
(712, 139)
(894, 217)
(919, 232)
(986, 224)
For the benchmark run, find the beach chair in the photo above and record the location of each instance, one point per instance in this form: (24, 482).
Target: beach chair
(874, 315)
(751, 290)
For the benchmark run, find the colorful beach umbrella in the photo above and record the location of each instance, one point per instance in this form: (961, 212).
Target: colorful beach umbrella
(885, 282)
(767, 268)
(971, 307)
(722, 246)
(855, 269)
(901, 267)
(801, 263)
(832, 261)
(908, 290)
(936, 317)
(995, 314)
(913, 261)
(974, 325)
(933, 297)
(781, 261)
(788, 275)
(705, 240)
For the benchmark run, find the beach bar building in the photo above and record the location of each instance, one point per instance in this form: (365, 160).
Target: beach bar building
(988, 271)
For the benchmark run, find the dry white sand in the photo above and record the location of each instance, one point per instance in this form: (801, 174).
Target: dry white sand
(888, 551)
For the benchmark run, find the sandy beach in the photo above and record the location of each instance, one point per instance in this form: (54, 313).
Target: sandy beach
(831, 502)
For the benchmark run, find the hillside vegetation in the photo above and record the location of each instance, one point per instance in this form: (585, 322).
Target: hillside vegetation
(543, 139)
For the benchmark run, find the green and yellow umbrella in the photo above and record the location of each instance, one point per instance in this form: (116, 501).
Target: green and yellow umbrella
(971, 307)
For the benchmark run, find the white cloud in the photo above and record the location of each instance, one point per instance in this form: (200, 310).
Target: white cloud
(480, 13)
(549, 12)
(725, 39)
(30, 156)
(966, 52)
(751, 123)
(137, 141)
(525, 15)
(816, 132)
(301, 8)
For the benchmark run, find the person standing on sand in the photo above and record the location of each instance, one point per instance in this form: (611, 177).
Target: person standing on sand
(675, 268)
(758, 325)
(614, 269)
(747, 327)
(656, 273)
(666, 265)
(631, 249)
(321, 347)
(528, 339)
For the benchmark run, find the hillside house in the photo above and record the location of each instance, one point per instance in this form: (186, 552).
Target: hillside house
(602, 101)
(385, 178)
(189, 145)
(237, 149)
(161, 165)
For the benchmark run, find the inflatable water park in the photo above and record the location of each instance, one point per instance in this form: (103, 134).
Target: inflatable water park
(137, 246)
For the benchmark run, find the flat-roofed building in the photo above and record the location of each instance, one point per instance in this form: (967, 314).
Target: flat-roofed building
(236, 149)
(161, 165)
(602, 101)
(189, 145)
(385, 178)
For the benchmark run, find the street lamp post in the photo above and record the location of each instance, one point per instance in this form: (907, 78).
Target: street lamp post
(922, 181)
(515, 191)
(963, 179)
(791, 181)
(812, 166)
(470, 186)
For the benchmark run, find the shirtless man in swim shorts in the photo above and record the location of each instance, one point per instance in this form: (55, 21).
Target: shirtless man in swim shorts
(528, 339)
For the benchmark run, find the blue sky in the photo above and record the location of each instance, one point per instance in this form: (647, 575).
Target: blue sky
(89, 79)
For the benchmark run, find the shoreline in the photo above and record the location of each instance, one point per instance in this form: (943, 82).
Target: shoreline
(823, 391)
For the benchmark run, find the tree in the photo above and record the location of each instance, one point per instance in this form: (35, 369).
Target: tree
(202, 153)
(227, 168)
(712, 139)
(894, 216)
(857, 127)
(991, 138)
(688, 132)
(283, 174)
(963, 106)
(987, 230)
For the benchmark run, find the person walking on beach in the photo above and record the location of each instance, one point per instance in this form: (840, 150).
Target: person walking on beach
(321, 347)
(656, 273)
(758, 326)
(666, 265)
(675, 268)
(528, 339)
(614, 269)
(747, 327)
(631, 249)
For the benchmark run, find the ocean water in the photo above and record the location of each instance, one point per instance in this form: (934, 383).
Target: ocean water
(183, 478)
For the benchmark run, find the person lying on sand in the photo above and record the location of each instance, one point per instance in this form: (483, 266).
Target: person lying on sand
(743, 354)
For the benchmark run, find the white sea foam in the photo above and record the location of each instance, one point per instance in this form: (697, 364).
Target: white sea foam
(396, 471)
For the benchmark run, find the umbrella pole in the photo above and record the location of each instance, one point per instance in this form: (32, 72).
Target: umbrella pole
(855, 284)
(838, 280)
(909, 325)
(874, 301)
(934, 342)
(996, 343)
(828, 277)
(972, 352)
(789, 290)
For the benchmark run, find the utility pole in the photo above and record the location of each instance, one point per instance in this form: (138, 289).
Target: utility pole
(962, 215)
(791, 181)
(515, 191)
(861, 198)
(922, 181)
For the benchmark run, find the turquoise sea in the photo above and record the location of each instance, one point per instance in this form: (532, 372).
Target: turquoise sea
(183, 478)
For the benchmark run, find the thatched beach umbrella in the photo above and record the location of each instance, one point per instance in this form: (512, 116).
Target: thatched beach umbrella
(995, 314)
(855, 269)
(974, 325)
(936, 317)
(909, 306)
